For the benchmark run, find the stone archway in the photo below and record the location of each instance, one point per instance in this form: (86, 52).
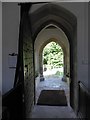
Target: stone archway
(54, 34)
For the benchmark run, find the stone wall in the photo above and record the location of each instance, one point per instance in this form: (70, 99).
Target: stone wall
(28, 68)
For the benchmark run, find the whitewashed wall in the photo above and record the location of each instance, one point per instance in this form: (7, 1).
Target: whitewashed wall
(80, 10)
(10, 26)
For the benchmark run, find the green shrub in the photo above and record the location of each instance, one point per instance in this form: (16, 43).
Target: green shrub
(58, 73)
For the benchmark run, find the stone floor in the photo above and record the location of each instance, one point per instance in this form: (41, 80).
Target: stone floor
(54, 83)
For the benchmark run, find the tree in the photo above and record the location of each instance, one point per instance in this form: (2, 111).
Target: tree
(53, 55)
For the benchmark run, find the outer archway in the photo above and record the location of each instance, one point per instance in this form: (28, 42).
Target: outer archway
(66, 57)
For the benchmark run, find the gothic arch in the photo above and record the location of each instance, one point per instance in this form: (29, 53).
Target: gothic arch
(56, 35)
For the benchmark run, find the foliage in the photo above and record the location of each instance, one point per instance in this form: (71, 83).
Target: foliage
(53, 55)
(58, 73)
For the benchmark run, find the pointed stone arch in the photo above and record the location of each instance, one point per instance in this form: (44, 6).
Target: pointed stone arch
(55, 35)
